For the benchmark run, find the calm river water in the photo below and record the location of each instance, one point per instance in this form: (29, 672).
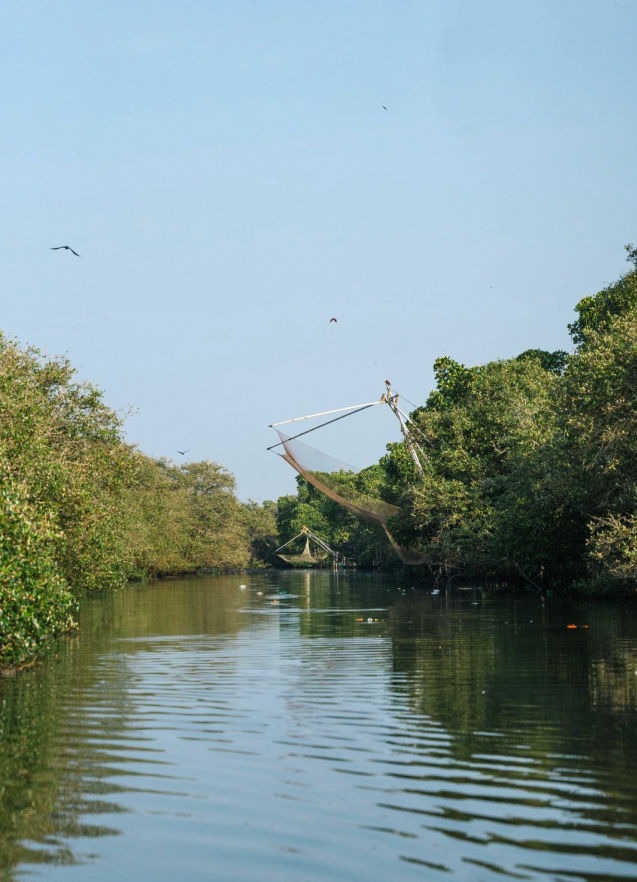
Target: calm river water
(307, 726)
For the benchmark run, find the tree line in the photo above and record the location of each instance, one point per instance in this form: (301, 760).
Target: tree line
(80, 509)
(530, 465)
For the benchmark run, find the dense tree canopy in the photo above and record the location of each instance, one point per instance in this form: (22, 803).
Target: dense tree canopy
(82, 510)
(597, 415)
(529, 464)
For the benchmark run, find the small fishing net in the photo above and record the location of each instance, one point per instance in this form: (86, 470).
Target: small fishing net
(306, 557)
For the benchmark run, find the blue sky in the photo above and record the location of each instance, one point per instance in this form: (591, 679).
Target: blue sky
(231, 180)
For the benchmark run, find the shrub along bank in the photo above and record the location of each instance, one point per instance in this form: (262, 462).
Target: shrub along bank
(82, 510)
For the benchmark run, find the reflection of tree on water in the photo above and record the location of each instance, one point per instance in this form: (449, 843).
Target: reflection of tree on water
(520, 673)
(42, 786)
(339, 604)
(40, 799)
(613, 680)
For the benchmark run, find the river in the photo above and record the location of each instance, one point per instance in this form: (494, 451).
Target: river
(310, 726)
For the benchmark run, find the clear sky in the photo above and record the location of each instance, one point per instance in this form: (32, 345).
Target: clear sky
(231, 180)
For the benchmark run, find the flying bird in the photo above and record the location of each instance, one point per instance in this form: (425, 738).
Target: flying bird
(67, 248)
(331, 320)
(383, 106)
(183, 452)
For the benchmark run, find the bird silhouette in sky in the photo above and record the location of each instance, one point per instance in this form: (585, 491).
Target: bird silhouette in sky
(183, 452)
(332, 320)
(66, 247)
(383, 106)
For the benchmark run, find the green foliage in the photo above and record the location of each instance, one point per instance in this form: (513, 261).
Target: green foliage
(453, 384)
(35, 601)
(612, 552)
(596, 313)
(90, 511)
(261, 527)
(186, 519)
(555, 362)
(62, 444)
(597, 415)
(472, 510)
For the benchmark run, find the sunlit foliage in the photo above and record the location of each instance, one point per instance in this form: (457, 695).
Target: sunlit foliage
(82, 510)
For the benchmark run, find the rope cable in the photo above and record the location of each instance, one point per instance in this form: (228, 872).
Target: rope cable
(320, 426)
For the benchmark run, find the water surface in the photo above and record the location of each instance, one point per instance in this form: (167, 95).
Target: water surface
(308, 726)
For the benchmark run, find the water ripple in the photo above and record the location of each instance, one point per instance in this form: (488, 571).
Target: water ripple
(278, 749)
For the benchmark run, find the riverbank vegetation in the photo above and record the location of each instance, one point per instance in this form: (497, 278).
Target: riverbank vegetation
(80, 509)
(530, 465)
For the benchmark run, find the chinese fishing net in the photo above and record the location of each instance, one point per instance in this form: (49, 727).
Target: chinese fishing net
(338, 481)
(306, 557)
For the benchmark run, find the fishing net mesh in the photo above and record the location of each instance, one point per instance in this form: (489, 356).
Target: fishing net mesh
(307, 556)
(337, 481)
